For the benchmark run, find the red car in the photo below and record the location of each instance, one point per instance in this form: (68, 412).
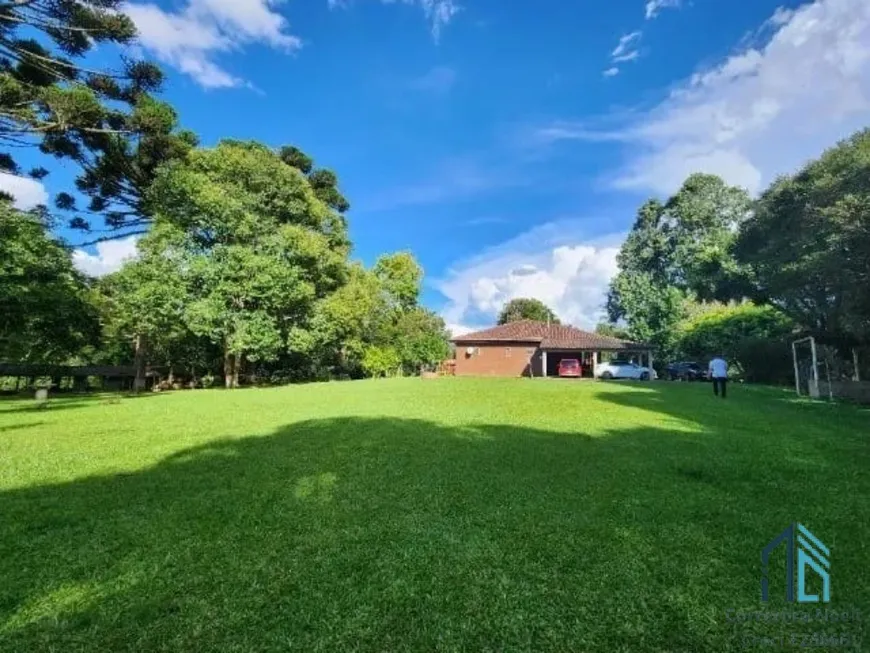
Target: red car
(570, 367)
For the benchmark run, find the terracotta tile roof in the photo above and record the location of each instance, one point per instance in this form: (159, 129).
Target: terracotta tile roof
(554, 336)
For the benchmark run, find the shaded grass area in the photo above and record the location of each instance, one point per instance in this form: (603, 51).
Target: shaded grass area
(409, 515)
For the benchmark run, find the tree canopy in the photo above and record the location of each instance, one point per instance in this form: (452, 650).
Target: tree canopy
(678, 252)
(526, 309)
(45, 312)
(808, 243)
(255, 244)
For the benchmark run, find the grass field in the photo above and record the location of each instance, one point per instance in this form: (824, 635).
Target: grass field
(455, 514)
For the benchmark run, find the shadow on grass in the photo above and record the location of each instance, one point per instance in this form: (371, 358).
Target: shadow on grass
(761, 409)
(26, 405)
(18, 427)
(390, 534)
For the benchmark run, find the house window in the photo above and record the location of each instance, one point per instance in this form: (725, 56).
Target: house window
(507, 352)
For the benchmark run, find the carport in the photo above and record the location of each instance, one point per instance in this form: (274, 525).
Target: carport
(591, 349)
(552, 358)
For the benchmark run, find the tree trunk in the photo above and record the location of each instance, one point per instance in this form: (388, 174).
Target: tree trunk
(139, 363)
(229, 366)
(237, 367)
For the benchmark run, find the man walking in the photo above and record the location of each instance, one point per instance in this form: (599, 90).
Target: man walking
(718, 369)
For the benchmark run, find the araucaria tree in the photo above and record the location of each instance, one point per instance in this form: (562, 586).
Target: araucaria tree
(256, 246)
(104, 120)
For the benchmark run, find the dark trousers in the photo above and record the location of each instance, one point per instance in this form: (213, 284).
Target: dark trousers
(720, 384)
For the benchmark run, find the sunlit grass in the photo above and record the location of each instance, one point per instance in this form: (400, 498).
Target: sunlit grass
(453, 514)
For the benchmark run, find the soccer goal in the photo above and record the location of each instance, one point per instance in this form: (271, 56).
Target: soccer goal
(824, 369)
(806, 367)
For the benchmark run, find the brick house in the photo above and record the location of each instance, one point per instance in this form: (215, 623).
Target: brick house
(529, 348)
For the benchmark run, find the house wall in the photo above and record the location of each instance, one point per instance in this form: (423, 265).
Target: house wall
(502, 359)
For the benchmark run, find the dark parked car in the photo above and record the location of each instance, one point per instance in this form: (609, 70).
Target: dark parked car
(686, 371)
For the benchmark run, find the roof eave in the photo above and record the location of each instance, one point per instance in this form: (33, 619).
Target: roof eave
(463, 340)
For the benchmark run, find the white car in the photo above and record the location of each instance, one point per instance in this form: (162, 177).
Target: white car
(618, 370)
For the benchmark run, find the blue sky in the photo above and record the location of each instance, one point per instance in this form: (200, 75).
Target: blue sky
(508, 144)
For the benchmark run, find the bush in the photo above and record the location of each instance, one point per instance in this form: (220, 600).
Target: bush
(381, 361)
(765, 361)
(755, 339)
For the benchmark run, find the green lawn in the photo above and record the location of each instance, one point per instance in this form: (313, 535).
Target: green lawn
(454, 514)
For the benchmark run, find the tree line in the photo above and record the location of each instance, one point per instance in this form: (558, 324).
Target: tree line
(712, 270)
(244, 269)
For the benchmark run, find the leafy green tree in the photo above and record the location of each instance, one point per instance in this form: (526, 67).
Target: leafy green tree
(45, 311)
(421, 338)
(701, 222)
(651, 310)
(381, 360)
(145, 305)
(356, 314)
(612, 331)
(400, 277)
(259, 248)
(808, 243)
(676, 253)
(379, 308)
(526, 309)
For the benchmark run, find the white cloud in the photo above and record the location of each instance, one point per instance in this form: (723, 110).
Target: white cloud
(611, 72)
(761, 112)
(625, 43)
(438, 13)
(552, 263)
(26, 191)
(109, 256)
(190, 38)
(457, 330)
(628, 56)
(626, 50)
(653, 7)
(439, 80)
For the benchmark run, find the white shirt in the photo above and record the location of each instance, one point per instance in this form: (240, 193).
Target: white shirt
(718, 369)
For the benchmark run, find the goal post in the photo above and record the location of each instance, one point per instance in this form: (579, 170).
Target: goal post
(806, 368)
